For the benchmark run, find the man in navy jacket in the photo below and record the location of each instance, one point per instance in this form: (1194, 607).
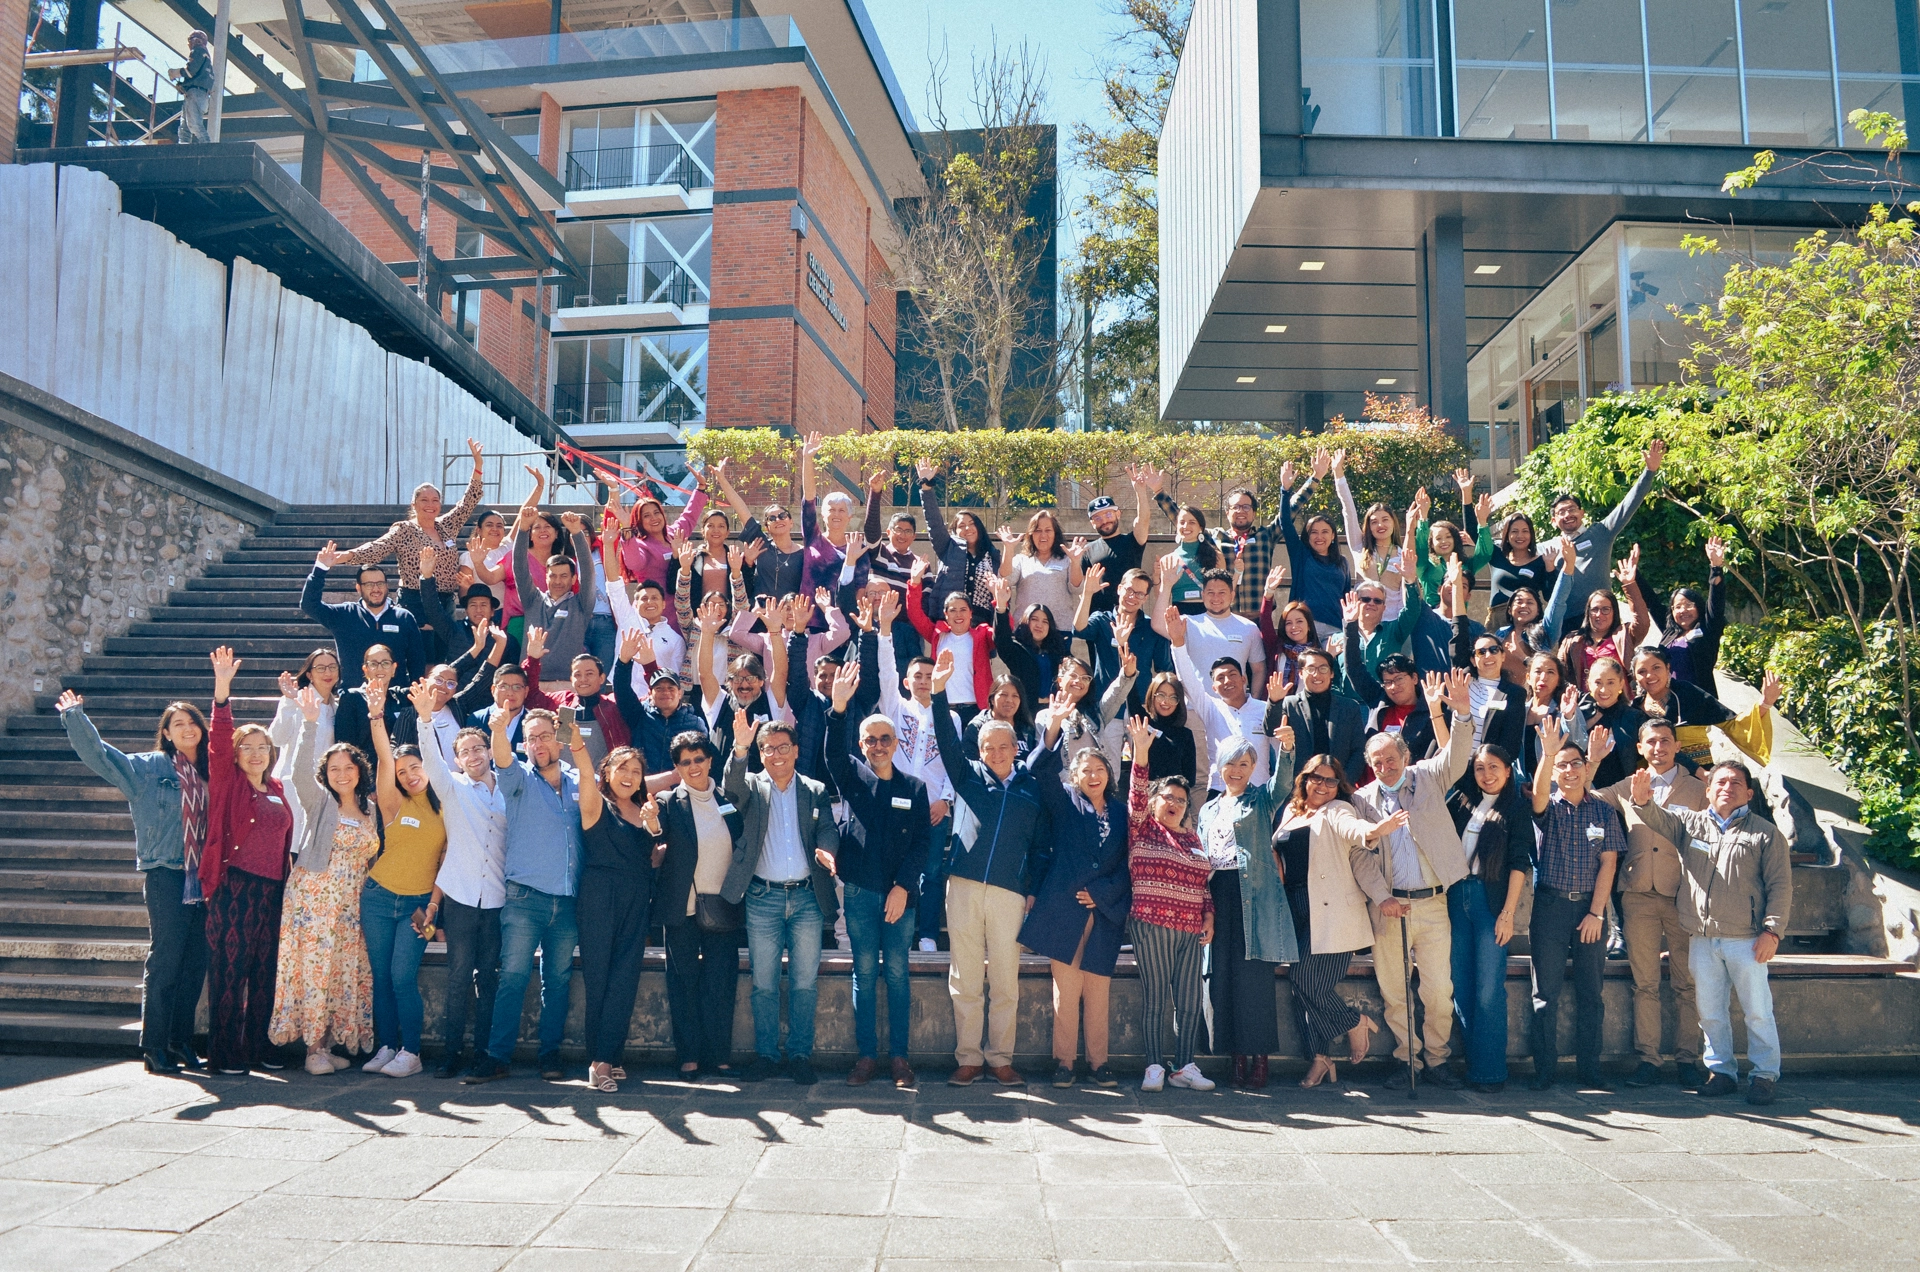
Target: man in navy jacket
(358, 625)
(1000, 853)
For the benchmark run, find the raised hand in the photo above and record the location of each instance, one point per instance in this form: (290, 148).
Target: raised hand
(535, 646)
(1288, 471)
(1409, 560)
(1322, 461)
(1483, 508)
(684, 548)
(643, 651)
(573, 523)
(1640, 786)
(1284, 736)
(863, 616)
(1569, 702)
(1568, 553)
(1076, 549)
(1140, 734)
(68, 700)
(1435, 686)
(630, 643)
(744, 734)
(473, 448)
(524, 519)
(1277, 685)
(737, 558)
(1008, 535)
(751, 552)
(1094, 578)
(1422, 501)
(810, 445)
(1459, 691)
(376, 694)
(289, 684)
(1553, 734)
(1656, 452)
(889, 610)
(1717, 552)
(713, 614)
(1276, 579)
(845, 682)
(1599, 745)
(328, 556)
(1628, 571)
(1003, 590)
(1168, 568)
(1463, 478)
(309, 700)
(421, 696)
(1175, 625)
(1396, 822)
(926, 469)
(1152, 478)
(650, 815)
(1770, 689)
(942, 671)
(856, 545)
(1129, 662)
(1340, 462)
(918, 572)
(1349, 608)
(428, 559)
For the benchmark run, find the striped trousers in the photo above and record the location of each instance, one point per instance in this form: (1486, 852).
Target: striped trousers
(1319, 1012)
(1170, 985)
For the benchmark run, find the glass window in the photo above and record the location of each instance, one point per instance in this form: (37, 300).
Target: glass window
(1789, 73)
(1500, 52)
(1879, 44)
(1664, 278)
(1696, 72)
(1367, 67)
(524, 129)
(1549, 320)
(1556, 398)
(660, 260)
(671, 379)
(1599, 82)
(1603, 356)
(639, 146)
(589, 381)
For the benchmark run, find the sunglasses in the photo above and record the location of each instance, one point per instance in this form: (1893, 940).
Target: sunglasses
(1314, 779)
(1373, 600)
(885, 739)
(1485, 650)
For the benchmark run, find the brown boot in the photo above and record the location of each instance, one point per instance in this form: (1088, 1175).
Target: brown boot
(903, 1078)
(1239, 1071)
(863, 1069)
(1257, 1073)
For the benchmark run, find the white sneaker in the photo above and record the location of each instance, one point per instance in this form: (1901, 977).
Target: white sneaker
(1189, 1076)
(928, 946)
(405, 1065)
(381, 1059)
(318, 1064)
(1156, 1078)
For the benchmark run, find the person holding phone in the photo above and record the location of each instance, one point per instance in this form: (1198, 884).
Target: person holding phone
(397, 907)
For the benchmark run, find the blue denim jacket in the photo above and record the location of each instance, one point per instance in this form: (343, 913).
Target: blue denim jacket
(150, 785)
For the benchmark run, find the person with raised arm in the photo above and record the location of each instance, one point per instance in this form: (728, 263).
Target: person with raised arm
(1691, 629)
(397, 906)
(1593, 541)
(454, 703)
(1321, 572)
(166, 790)
(588, 697)
(1117, 551)
(425, 527)
(1602, 633)
(623, 846)
(1499, 705)
(1692, 710)
(486, 554)
(882, 855)
(1377, 637)
(1736, 906)
(969, 561)
(645, 542)
(1297, 631)
(825, 538)
(1327, 721)
(353, 718)
(1406, 878)
(1045, 569)
(544, 854)
(1000, 853)
(782, 871)
(321, 669)
(1253, 929)
(754, 693)
(243, 872)
(1489, 807)
(1034, 651)
(358, 625)
(1100, 630)
(471, 886)
(1075, 715)
(323, 991)
(1373, 541)
(557, 610)
(653, 722)
(1580, 844)
(1222, 701)
(970, 643)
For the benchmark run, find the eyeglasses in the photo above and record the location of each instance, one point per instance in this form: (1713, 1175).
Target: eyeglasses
(258, 748)
(1315, 779)
(378, 662)
(691, 761)
(884, 739)
(785, 748)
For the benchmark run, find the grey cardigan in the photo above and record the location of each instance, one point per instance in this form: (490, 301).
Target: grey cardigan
(322, 809)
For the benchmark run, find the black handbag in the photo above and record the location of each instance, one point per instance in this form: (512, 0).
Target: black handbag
(714, 913)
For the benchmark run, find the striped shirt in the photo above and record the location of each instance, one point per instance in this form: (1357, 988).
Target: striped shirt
(1169, 867)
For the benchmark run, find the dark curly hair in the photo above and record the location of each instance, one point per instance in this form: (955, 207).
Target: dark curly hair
(363, 788)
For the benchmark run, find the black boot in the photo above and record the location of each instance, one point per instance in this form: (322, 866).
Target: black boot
(158, 1062)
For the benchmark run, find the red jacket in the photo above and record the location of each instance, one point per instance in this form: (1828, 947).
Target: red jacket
(606, 712)
(931, 632)
(229, 799)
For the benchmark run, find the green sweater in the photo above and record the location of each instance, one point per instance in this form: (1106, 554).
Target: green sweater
(1433, 573)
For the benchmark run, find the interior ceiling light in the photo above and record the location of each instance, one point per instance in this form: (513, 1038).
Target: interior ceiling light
(1387, 380)
(1275, 328)
(1313, 266)
(1486, 269)
(1243, 379)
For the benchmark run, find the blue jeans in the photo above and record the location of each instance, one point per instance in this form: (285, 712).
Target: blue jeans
(533, 918)
(1479, 981)
(394, 950)
(783, 920)
(603, 640)
(931, 915)
(1721, 963)
(873, 937)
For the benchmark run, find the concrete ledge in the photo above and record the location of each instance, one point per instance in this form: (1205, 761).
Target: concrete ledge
(1830, 1008)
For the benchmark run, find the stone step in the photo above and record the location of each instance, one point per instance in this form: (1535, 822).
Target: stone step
(247, 640)
(193, 678)
(102, 1030)
(67, 825)
(11, 795)
(70, 916)
(70, 883)
(51, 955)
(41, 764)
(130, 702)
(62, 854)
(262, 565)
(75, 993)
(252, 585)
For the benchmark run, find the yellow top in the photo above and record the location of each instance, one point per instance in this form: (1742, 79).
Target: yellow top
(416, 841)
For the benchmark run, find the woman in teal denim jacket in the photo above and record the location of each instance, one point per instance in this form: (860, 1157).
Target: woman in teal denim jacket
(176, 967)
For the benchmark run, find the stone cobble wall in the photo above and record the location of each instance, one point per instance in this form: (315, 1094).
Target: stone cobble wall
(86, 548)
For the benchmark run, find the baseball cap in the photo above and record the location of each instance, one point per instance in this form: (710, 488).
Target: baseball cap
(1101, 504)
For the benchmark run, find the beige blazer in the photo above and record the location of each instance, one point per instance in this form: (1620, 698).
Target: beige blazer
(1653, 861)
(1338, 921)
(1428, 818)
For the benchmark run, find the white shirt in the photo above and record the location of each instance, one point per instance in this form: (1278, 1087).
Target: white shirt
(1480, 695)
(445, 729)
(474, 871)
(1470, 837)
(918, 751)
(492, 560)
(961, 688)
(669, 646)
(1211, 637)
(1223, 722)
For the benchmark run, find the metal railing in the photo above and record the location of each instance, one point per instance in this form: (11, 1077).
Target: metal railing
(604, 402)
(628, 283)
(566, 483)
(615, 167)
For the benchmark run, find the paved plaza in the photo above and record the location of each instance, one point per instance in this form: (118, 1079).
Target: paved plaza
(103, 1166)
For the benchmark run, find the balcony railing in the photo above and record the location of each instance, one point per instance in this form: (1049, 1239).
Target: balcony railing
(616, 167)
(604, 402)
(625, 283)
(613, 45)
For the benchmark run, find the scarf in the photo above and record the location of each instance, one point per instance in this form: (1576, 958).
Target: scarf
(193, 823)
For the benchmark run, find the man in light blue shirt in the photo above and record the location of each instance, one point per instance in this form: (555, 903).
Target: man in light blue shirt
(543, 869)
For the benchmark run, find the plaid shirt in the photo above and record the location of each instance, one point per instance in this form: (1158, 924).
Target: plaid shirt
(1569, 858)
(1252, 556)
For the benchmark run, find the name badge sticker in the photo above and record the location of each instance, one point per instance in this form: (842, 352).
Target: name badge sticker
(1700, 845)
(348, 821)
(275, 799)
(1596, 833)
(410, 821)
(900, 803)
(559, 613)
(586, 730)
(389, 627)
(727, 810)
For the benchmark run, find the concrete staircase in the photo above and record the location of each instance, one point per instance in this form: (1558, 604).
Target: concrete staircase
(73, 928)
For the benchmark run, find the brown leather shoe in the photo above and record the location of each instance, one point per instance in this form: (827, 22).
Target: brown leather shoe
(862, 1071)
(903, 1078)
(1007, 1075)
(965, 1075)
(1257, 1073)
(1239, 1071)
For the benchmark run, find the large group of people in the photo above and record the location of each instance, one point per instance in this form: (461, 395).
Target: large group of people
(703, 729)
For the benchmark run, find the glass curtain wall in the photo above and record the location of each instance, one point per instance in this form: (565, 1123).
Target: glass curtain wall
(624, 146)
(656, 377)
(1781, 73)
(653, 261)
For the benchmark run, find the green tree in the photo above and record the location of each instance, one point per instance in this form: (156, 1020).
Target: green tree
(1118, 267)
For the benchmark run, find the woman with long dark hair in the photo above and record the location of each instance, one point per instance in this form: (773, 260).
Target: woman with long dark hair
(166, 789)
(1602, 632)
(1006, 703)
(323, 993)
(1495, 824)
(1285, 641)
(621, 835)
(1695, 623)
(1032, 651)
(1194, 553)
(243, 871)
(969, 563)
(1516, 561)
(1373, 541)
(1176, 747)
(397, 906)
(1317, 831)
(1321, 572)
(321, 669)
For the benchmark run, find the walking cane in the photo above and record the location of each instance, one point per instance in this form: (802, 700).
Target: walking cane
(1413, 1039)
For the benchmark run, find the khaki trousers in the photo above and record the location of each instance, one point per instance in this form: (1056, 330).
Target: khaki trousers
(983, 932)
(1430, 940)
(1073, 991)
(1645, 918)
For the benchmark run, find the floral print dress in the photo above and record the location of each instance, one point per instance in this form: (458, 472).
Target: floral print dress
(325, 984)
